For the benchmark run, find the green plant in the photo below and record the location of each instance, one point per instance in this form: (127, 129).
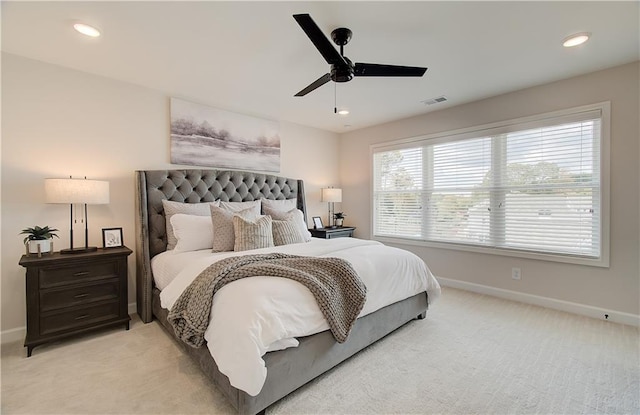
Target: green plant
(339, 215)
(38, 234)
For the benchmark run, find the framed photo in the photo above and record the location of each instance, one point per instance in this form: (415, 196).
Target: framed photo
(317, 222)
(112, 237)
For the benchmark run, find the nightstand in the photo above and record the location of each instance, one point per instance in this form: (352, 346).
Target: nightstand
(330, 233)
(75, 293)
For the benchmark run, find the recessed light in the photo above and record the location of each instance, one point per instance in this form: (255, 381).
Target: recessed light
(576, 39)
(343, 112)
(86, 29)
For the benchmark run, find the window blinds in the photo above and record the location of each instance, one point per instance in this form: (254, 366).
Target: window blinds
(533, 186)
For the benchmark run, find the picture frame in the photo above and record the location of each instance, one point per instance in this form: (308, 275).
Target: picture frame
(112, 238)
(317, 222)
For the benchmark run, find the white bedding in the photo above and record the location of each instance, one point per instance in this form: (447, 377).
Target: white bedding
(252, 316)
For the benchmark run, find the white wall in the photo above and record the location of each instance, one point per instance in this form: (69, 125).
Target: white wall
(58, 122)
(614, 288)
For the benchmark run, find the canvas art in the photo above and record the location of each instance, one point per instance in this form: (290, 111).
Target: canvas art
(206, 136)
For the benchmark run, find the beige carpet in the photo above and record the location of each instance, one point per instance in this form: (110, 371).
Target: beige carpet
(473, 354)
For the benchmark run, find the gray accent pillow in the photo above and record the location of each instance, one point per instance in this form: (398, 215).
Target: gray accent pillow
(252, 234)
(172, 208)
(238, 206)
(286, 232)
(222, 220)
(282, 205)
(294, 215)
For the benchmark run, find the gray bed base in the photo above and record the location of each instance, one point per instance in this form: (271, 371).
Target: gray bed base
(287, 369)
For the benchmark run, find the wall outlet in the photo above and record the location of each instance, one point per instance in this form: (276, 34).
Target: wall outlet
(516, 273)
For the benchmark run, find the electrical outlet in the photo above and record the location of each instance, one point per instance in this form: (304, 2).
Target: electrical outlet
(516, 273)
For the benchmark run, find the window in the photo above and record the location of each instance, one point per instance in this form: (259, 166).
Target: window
(526, 187)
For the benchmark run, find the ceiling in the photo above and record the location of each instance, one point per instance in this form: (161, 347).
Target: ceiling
(252, 57)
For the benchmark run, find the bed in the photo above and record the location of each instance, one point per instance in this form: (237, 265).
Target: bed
(288, 369)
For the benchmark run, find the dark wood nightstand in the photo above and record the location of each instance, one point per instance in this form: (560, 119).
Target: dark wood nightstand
(330, 233)
(75, 293)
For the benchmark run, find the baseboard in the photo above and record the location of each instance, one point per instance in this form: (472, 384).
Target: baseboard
(13, 335)
(575, 308)
(17, 334)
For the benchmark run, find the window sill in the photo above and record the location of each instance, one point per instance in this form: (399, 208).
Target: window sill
(602, 262)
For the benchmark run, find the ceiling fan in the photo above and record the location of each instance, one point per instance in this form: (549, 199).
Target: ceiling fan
(342, 69)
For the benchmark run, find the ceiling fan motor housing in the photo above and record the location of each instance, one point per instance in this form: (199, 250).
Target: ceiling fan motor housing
(342, 73)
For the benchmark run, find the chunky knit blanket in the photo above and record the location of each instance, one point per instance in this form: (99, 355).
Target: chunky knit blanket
(333, 282)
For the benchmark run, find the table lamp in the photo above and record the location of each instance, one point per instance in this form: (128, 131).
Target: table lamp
(331, 195)
(77, 191)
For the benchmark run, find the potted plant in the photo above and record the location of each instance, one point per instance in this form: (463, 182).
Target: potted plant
(38, 240)
(339, 218)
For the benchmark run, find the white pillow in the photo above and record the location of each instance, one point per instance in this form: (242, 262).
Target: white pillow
(279, 205)
(238, 206)
(192, 232)
(222, 220)
(294, 215)
(171, 208)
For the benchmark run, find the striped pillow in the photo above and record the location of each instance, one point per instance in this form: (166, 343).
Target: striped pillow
(252, 234)
(294, 215)
(286, 232)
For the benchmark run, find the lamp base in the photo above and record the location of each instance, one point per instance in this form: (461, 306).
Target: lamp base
(79, 250)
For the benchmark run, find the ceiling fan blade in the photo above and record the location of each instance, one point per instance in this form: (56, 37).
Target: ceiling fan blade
(373, 69)
(315, 84)
(319, 40)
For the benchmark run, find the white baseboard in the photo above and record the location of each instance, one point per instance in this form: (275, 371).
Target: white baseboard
(17, 334)
(12, 335)
(132, 308)
(575, 308)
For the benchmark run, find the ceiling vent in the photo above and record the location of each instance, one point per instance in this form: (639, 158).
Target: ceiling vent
(436, 100)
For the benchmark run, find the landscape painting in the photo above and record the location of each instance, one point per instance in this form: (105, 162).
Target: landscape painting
(206, 136)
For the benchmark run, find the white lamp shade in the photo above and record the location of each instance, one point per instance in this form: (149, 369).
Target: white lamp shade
(92, 192)
(331, 194)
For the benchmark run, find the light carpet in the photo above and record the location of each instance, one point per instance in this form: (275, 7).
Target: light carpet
(474, 354)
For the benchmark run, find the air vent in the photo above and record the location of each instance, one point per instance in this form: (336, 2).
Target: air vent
(435, 100)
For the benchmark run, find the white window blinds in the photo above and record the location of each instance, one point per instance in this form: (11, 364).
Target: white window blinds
(533, 186)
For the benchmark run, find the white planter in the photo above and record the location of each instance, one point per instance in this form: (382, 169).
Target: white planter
(44, 244)
(339, 222)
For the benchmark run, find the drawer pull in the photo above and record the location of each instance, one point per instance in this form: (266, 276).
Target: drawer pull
(82, 317)
(81, 295)
(81, 274)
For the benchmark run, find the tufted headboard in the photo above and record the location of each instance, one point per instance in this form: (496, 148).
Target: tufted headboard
(192, 186)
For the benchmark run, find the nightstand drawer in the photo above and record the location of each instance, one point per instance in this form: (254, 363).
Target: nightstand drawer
(53, 277)
(58, 298)
(330, 233)
(340, 234)
(86, 316)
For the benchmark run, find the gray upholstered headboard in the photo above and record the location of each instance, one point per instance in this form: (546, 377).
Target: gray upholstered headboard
(192, 186)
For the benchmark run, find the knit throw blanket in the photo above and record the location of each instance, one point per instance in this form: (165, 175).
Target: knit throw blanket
(338, 290)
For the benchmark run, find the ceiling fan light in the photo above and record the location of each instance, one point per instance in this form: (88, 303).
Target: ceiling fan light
(575, 39)
(86, 29)
(343, 112)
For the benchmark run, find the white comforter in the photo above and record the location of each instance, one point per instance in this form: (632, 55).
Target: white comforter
(252, 316)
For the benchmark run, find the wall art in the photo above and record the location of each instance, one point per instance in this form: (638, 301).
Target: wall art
(206, 136)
